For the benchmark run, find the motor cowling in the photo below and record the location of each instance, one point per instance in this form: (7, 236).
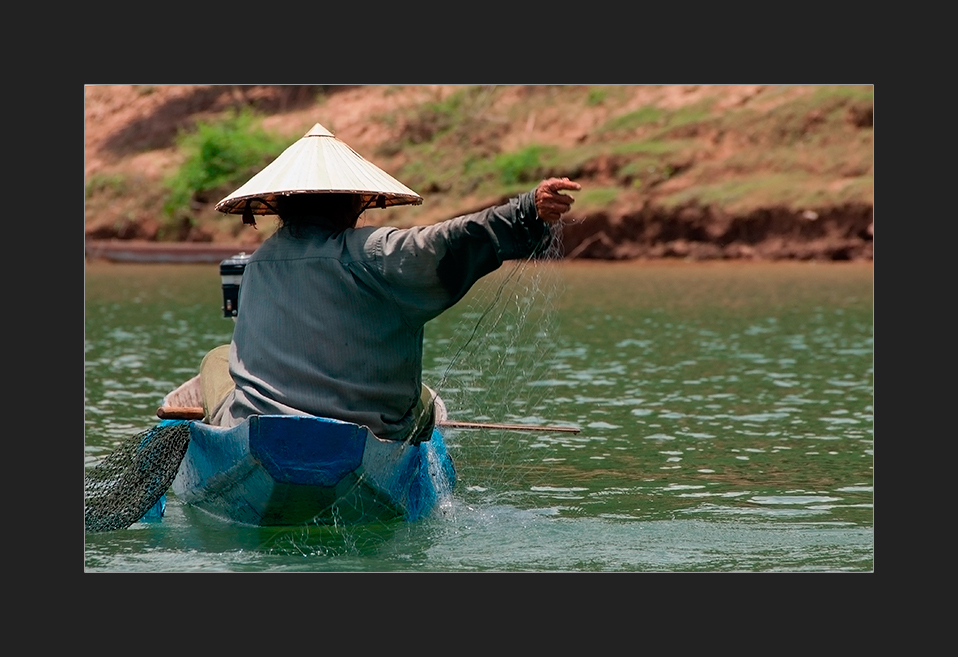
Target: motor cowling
(231, 275)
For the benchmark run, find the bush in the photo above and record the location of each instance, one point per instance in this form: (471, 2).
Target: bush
(220, 155)
(521, 166)
(597, 96)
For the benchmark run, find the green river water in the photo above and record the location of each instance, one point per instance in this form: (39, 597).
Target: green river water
(726, 413)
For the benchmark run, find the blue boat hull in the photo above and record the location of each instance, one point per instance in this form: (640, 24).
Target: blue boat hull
(285, 470)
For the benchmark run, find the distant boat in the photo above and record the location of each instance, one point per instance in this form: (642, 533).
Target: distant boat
(179, 252)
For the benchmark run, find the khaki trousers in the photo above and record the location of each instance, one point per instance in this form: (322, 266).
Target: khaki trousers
(216, 383)
(215, 379)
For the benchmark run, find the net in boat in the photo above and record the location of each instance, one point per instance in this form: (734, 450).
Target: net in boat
(132, 479)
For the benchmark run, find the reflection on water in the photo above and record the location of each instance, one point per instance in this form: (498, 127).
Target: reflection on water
(726, 414)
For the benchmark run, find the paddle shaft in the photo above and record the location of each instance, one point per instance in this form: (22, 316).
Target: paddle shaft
(180, 413)
(508, 427)
(196, 413)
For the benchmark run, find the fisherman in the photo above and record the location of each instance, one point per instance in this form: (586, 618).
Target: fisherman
(332, 315)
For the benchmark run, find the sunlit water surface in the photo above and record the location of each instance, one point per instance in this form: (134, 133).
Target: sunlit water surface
(726, 416)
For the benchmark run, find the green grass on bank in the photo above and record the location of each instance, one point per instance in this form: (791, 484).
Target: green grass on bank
(800, 145)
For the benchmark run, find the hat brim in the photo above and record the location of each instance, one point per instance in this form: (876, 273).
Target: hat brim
(237, 205)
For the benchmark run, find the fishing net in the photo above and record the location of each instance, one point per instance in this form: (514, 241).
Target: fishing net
(495, 364)
(492, 360)
(131, 480)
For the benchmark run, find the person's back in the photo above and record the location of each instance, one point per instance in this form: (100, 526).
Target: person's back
(322, 332)
(331, 316)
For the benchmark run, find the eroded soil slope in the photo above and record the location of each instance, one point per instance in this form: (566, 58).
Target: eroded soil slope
(683, 171)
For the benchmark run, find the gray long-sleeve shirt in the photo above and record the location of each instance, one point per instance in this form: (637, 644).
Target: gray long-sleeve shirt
(331, 323)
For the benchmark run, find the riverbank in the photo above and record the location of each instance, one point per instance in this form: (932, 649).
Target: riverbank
(690, 172)
(144, 252)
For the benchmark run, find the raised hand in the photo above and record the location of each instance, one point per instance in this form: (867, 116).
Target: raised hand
(551, 204)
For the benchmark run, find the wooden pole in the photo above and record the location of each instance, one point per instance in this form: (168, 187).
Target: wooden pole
(180, 413)
(508, 427)
(196, 413)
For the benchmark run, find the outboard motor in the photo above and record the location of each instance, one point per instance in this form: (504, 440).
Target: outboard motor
(231, 275)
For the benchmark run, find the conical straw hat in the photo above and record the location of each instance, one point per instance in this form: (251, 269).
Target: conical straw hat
(318, 163)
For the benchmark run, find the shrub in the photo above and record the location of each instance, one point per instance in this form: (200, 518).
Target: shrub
(220, 154)
(521, 166)
(596, 96)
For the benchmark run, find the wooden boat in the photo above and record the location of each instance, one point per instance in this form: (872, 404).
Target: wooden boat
(284, 470)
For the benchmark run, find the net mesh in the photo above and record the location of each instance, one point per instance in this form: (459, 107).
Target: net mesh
(130, 481)
(496, 367)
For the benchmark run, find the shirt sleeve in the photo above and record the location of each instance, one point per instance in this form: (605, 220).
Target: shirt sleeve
(433, 267)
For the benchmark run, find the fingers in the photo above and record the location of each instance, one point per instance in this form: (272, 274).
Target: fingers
(550, 188)
(550, 202)
(559, 204)
(555, 184)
